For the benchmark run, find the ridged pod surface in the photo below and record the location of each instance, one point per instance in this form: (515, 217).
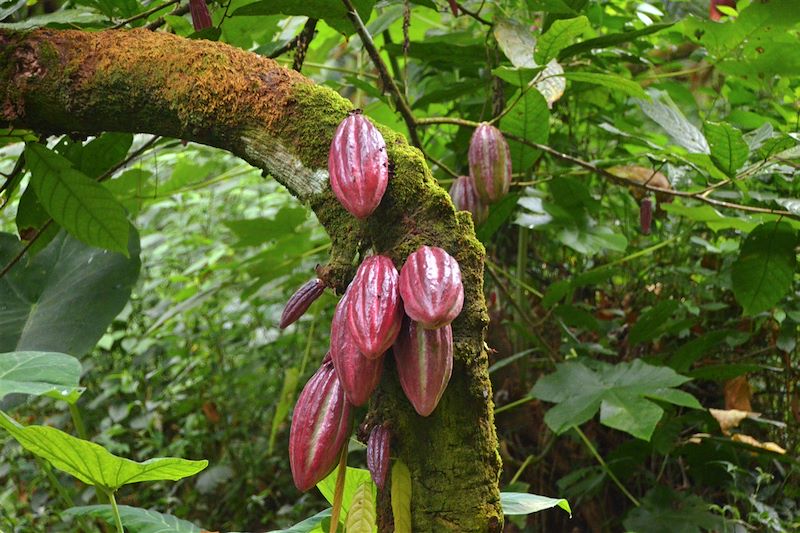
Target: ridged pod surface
(201, 18)
(358, 165)
(465, 198)
(646, 215)
(424, 363)
(320, 427)
(431, 288)
(300, 301)
(374, 309)
(378, 449)
(358, 375)
(489, 163)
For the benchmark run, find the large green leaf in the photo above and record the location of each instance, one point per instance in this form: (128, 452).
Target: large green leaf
(561, 34)
(611, 81)
(136, 520)
(401, 497)
(652, 323)
(728, 149)
(764, 270)
(78, 203)
(611, 39)
(522, 503)
(40, 374)
(93, 464)
(361, 515)
(353, 479)
(516, 41)
(331, 11)
(621, 393)
(663, 510)
(663, 111)
(64, 299)
(309, 524)
(529, 119)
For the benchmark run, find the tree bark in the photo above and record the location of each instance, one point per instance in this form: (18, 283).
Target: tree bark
(64, 81)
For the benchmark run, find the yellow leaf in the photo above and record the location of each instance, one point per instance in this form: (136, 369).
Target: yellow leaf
(401, 497)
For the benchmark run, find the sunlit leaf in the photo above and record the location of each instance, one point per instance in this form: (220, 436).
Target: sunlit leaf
(522, 503)
(136, 520)
(561, 34)
(40, 374)
(401, 497)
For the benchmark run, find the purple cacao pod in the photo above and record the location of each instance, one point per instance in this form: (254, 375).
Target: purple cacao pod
(424, 363)
(374, 309)
(646, 215)
(358, 375)
(300, 301)
(489, 163)
(465, 198)
(320, 427)
(201, 18)
(378, 446)
(431, 288)
(358, 165)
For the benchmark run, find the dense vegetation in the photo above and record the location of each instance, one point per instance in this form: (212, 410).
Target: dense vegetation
(650, 378)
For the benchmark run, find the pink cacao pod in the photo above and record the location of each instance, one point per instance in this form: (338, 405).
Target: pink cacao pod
(358, 375)
(431, 288)
(300, 301)
(489, 163)
(424, 363)
(646, 215)
(465, 198)
(374, 309)
(320, 427)
(378, 449)
(358, 165)
(201, 18)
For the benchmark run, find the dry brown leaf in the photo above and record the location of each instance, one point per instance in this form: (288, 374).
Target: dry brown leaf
(769, 446)
(728, 418)
(738, 393)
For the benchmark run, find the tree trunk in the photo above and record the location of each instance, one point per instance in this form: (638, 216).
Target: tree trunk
(63, 81)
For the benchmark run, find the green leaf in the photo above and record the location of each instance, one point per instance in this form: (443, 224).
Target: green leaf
(764, 271)
(615, 83)
(611, 39)
(519, 77)
(93, 464)
(529, 119)
(51, 374)
(64, 298)
(332, 12)
(652, 323)
(31, 219)
(710, 216)
(257, 231)
(550, 6)
(401, 497)
(499, 213)
(79, 204)
(136, 520)
(729, 151)
(101, 154)
(291, 377)
(65, 17)
(561, 34)
(622, 393)
(663, 111)
(307, 525)
(522, 503)
(353, 479)
(361, 518)
(663, 510)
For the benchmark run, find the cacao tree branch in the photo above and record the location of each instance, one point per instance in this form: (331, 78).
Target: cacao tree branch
(67, 81)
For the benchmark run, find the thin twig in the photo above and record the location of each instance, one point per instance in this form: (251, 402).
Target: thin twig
(605, 467)
(386, 79)
(439, 164)
(144, 14)
(27, 247)
(474, 15)
(303, 41)
(160, 21)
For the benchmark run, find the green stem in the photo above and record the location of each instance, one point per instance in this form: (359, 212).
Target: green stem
(77, 421)
(605, 467)
(515, 403)
(522, 265)
(308, 346)
(115, 511)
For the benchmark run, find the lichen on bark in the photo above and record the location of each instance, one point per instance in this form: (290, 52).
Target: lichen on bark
(64, 81)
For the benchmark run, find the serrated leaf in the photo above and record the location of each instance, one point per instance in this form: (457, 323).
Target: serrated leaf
(622, 394)
(136, 520)
(361, 517)
(729, 151)
(615, 83)
(522, 503)
(529, 119)
(93, 464)
(516, 41)
(663, 111)
(401, 497)
(764, 271)
(561, 34)
(79, 204)
(51, 374)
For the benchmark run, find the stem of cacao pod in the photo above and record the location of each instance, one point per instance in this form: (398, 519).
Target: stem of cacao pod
(339, 491)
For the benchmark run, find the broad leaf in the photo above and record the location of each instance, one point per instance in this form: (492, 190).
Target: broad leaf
(361, 516)
(561, 34)
(401, 497)
(306, 526)
(666, 511)
(611, 39)
(63, 299)
(651, 324)
(93, 464)
(615, 83)
(78, 203)
(354, 478)
(764, 270)
(136, 520)
(728, 149)
(529, 119)
(621, 393)
(332, 12)
(663, 111)
(516, 41)
(40, 374)
(522, 503)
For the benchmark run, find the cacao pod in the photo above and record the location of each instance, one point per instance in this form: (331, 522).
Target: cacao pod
(714, 13)
(374, 309)
(300, 301)
(646, 215)
(378, 446)
(358, 165)
(201, 18)
(320, 427)
(465, 198)
(358, 375)
(489, 163)
(424, 363)
(431, 288)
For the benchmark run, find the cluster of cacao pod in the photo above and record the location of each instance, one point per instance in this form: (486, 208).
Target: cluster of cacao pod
(489, 173)
(407, 313)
